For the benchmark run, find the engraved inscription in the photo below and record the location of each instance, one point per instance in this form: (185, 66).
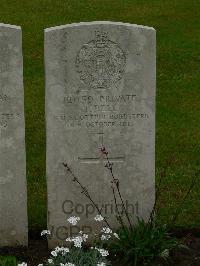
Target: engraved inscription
(5, 105)
(97, 111)
(4, 98)
(100, 62)
(6, 117)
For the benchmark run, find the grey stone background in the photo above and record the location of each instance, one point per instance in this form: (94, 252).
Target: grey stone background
(13, 192)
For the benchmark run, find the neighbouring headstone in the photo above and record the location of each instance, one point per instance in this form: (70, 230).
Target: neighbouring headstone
(100, 91)
(13, 195)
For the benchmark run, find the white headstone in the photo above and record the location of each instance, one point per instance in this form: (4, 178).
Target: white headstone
(13, 196)
(100, 91)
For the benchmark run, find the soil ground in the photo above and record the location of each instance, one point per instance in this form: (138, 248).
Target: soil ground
(38, 252)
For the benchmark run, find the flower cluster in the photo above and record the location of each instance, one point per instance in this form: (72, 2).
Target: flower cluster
(107, 232)
(98, 218)
(45, 232)
(61, 264)
(61, 250)
(78, 240)
(105, 237)
(63, 255)
(103, 252)
(67, 264)
(73, 220)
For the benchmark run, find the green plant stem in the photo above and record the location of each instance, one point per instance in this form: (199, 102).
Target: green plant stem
(86, 193)
(119, 218)
(119, 193)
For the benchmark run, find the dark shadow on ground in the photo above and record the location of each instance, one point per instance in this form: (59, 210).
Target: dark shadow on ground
(37, 251)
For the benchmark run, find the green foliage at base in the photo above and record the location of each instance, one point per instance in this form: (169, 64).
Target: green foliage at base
(79, 257)
(8, 261)
(143, 245)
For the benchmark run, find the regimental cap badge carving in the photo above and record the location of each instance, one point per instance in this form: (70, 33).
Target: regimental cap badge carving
(100, 62)
(101, 39)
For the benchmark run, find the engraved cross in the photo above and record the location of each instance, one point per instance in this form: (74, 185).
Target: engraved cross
(101, 158)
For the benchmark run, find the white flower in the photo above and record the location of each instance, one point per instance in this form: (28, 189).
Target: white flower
(57, 249)
(73, 220)
(54, 253)
(101, 264)
(77, 241)
(103, 252)
(45, 232)
(40, 264)
(116, 235)
(67, 264)
(60, 249)
(98, 218)
(106, 230)
(23, 264)
(85, 237)
(69, 239)
(64, 250)
(50, 261)
(105, 237)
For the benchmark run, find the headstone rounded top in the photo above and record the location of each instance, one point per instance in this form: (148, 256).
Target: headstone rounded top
(98, 23)
(10, 26)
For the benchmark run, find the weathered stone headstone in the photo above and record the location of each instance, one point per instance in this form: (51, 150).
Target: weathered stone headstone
(13, 196)
(100, 91)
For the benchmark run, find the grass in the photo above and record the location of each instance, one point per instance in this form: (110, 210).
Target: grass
(178, 97)
(8, 260)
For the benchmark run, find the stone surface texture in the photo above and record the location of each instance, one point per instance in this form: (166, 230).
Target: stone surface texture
(100, 91)
(13, 194)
